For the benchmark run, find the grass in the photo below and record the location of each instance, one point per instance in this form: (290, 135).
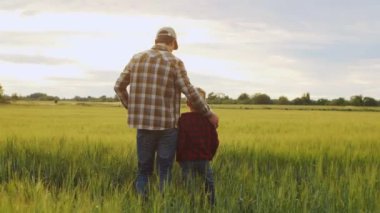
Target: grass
(82, 158)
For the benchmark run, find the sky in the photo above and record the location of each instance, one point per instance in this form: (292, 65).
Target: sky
(67, 48)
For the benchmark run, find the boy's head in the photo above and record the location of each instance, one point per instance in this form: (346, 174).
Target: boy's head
(202, 93)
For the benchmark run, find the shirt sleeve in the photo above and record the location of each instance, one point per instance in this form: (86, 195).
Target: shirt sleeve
(214, 141)
(190, 92)
(181, 143)
(121, 85)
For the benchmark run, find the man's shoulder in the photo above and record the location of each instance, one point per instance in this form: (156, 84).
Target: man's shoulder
(168, 56)
(141, 54)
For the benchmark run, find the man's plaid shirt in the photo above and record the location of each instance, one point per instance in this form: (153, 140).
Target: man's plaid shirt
(156, 79)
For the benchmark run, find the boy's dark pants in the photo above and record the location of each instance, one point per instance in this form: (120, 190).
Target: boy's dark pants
(190, 169)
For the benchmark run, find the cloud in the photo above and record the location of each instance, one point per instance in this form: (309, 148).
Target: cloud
(365, 73)
(92, 78)
(47, 38)
(60, 80)
(12, 39)
(323, 47)
(34, 59)
(103, 75)
(93, 83)
(216, 84)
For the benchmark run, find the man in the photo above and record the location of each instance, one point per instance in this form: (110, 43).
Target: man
(156, 79)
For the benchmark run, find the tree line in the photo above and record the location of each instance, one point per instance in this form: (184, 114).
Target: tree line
(38, 96)
(213, 98)
(264, 99)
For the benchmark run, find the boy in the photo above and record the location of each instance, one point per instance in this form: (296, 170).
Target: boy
(197, 144)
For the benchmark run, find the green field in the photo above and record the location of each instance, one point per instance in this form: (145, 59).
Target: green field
(82, 158)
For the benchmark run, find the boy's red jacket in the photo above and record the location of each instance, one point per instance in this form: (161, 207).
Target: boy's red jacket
(197, 139)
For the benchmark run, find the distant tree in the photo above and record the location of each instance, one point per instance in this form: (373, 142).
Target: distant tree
(244, 99)
(1, 92)
(368, 101)
(219, 98)
(243, 96)
(297, 101)
(103, 98)
(211, 97)
(322, 101)
(37, 96)
(15, 97)
(282, 100)
(260, 98)
(78, 98)
(3, 98)
(115, 98)
(339, 102)
(356, 100)
(306, 99)
(225, 99)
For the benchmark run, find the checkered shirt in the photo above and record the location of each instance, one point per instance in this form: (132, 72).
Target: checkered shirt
(156, 79)
(197, 139)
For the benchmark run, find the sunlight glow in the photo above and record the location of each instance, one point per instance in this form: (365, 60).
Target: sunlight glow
(70, 48)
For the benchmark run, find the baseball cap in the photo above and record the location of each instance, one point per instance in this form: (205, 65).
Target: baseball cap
(167, 32)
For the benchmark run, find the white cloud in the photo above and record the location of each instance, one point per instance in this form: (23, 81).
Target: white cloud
(36, 59)
(366, 74)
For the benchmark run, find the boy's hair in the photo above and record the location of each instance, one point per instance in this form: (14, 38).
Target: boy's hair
(201, 92)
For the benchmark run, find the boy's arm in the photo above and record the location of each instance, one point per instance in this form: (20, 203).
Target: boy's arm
(214, 141)
(181, 143)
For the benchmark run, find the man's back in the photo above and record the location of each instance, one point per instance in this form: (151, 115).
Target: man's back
(154, 100)
(156, 79)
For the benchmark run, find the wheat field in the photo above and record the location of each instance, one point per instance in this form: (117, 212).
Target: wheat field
(74, 157)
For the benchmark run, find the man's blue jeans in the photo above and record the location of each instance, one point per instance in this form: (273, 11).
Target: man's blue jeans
(164, 142)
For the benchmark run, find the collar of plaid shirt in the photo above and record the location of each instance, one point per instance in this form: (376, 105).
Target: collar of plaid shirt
(161, 47)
